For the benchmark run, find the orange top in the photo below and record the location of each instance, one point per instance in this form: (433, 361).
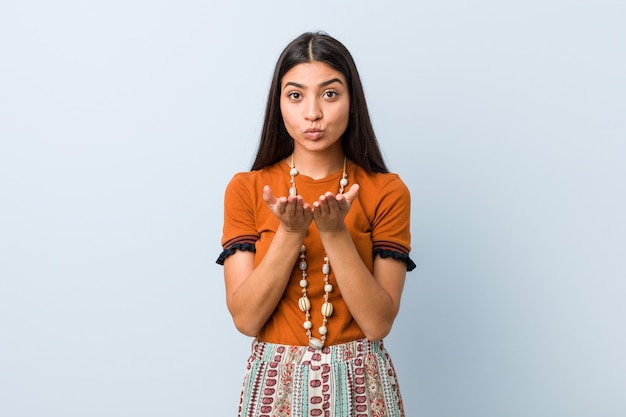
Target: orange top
(378, 222)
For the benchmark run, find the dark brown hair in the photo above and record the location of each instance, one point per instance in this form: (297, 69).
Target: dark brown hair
(359, 141)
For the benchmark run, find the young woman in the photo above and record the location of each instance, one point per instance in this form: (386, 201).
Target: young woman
(316, 246)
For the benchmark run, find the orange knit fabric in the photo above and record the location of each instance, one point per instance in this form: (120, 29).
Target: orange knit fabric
(379, 216)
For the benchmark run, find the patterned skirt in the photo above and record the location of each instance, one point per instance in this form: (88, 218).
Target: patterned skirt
(354, 379)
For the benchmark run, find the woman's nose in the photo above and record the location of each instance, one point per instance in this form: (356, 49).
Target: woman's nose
(312, 111)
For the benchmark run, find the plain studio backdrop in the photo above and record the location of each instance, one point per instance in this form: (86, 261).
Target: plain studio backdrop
(121, 123)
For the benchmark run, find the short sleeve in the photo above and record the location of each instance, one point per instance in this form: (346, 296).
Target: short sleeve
(239, 231)
(391, 226)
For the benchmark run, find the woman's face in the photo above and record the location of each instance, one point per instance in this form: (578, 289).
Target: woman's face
(315, 105)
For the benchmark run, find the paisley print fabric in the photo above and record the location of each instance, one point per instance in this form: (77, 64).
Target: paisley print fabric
(354, 379)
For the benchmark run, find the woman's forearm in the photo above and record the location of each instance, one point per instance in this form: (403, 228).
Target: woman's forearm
(254, 297)
(373, 306)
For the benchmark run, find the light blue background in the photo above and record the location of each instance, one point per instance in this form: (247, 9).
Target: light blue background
(122, 121)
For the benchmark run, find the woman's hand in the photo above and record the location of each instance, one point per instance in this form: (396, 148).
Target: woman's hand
(330, 210)
(294, 214)
(253, 291)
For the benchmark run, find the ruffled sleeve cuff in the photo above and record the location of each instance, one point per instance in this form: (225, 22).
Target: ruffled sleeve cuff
(244, 243)
(394, 251)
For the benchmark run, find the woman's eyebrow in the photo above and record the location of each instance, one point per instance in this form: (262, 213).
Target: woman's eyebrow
(294, 84)
(329, 82)
(322, 84)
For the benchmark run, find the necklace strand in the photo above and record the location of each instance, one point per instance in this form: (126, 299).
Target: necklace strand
(343, 182)
(304, 303)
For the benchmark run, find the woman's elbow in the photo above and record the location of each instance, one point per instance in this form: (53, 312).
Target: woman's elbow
(245, 325)
(377, 332)
(244, 328)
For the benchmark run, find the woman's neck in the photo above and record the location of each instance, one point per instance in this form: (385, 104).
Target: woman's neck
(316, 166)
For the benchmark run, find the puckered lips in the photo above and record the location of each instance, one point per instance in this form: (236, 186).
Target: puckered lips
(313, 133)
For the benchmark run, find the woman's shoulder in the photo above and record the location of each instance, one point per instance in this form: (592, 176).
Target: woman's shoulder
(379, 181)
(249, 178)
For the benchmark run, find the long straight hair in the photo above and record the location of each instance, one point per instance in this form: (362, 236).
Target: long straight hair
(358, 141)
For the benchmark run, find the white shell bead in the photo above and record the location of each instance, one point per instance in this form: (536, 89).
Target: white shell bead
(326, 269)
(304, 283)
(327, 309)
(293, 171)
(328, 288)
(315, 343)
(293, 191)
(303, 266)
(343, 182)
(304, 304)
(323, 330)
(307, 325)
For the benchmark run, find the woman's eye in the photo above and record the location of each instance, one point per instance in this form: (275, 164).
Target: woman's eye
(330, 94)
(294, 96)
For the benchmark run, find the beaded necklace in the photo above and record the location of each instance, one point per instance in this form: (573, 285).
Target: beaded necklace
(304, 303)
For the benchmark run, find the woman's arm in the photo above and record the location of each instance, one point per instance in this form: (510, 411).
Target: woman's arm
(372, 298)
(252, 293)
